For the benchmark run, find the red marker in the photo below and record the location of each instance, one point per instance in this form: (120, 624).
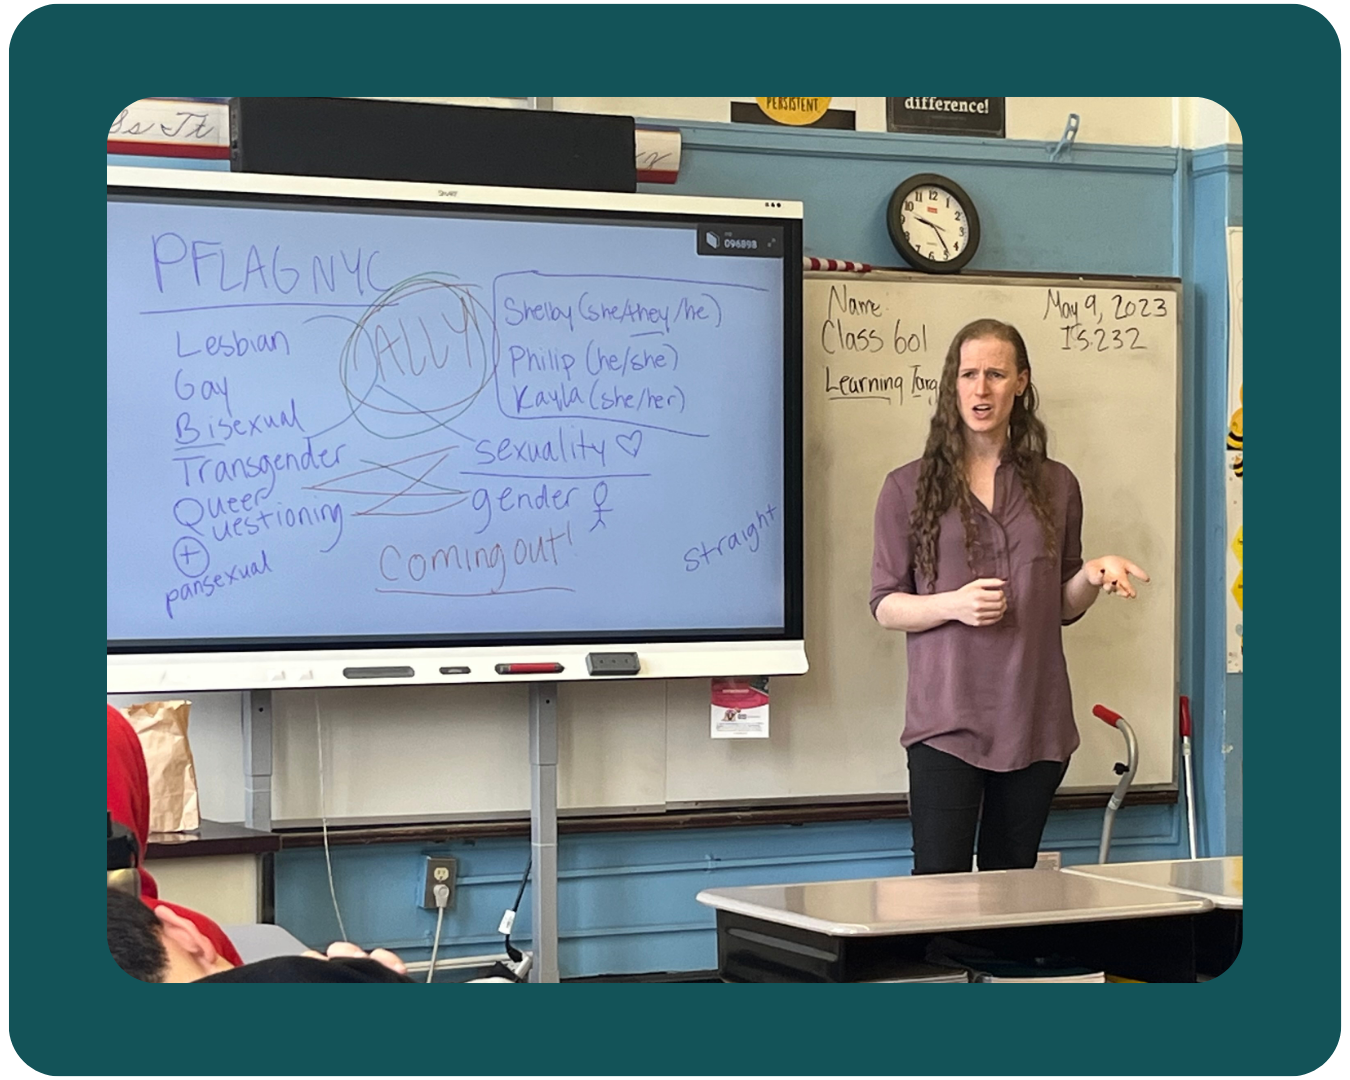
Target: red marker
(528, 669)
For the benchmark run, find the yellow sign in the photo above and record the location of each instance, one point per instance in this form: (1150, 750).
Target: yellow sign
(794, 110)
(1237, 585)
(1235, 426)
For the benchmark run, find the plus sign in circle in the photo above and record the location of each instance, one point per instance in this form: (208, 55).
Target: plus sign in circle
(190, 556)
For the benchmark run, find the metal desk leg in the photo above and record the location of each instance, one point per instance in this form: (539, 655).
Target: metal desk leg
(544, 830)
(256, 717)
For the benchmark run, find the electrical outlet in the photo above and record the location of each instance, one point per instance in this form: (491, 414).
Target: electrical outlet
(440, 871)
(612, 663)
(1047, 860)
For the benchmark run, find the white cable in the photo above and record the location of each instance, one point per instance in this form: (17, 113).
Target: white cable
(436, 944)
(323, 818)
(442, 894)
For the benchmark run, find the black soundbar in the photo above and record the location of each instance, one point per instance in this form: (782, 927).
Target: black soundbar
(453, 144)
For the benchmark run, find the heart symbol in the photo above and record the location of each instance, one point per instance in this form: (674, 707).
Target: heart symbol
(630, 444)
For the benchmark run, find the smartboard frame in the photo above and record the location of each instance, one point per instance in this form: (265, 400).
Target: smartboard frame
(664, 652)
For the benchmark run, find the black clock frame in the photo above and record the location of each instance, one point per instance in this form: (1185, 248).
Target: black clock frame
(902, 245)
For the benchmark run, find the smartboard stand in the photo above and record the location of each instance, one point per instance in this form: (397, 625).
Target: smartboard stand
(256, 720)
(544, 830)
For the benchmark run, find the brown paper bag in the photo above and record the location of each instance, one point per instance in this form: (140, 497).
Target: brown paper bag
(163, 730)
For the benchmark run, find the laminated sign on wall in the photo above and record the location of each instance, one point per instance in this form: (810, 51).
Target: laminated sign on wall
(816, 112)
(172, 127)
(982, 116)
(740, 708)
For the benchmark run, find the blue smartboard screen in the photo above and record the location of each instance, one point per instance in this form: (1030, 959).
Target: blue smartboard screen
(362, 422)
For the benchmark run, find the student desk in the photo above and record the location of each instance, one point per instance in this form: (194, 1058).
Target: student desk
(860, 931)
(1219, 880)
(262, 941)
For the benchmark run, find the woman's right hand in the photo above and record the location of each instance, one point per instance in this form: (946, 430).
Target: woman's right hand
(981, 603)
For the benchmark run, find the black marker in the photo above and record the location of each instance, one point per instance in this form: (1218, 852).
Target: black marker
(454, 671)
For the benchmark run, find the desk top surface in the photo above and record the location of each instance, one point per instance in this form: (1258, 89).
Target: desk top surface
(876, 907)
(1218, 880)
(262, 941)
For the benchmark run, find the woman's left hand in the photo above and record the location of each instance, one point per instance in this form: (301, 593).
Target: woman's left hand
(1112, 573)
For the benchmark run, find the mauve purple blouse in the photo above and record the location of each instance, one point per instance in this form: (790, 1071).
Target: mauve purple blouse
(997, 697)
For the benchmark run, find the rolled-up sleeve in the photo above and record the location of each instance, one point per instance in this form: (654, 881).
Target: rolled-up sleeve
(892, 569)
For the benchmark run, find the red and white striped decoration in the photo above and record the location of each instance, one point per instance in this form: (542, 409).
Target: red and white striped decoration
(843, 265)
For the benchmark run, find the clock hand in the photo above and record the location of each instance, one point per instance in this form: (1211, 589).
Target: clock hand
(937, 229)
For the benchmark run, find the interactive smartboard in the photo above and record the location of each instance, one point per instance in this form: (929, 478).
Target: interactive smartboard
(346, 416)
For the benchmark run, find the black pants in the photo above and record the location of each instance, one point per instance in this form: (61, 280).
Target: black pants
(948, 799)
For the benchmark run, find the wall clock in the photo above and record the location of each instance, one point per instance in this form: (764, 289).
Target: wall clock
(933, 223)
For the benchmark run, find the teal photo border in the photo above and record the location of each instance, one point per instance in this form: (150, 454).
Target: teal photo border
(1275, 68)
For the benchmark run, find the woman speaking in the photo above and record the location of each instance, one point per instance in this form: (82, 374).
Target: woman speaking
(978, 559)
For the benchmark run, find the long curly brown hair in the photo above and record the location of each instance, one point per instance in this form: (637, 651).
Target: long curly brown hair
(942, 476)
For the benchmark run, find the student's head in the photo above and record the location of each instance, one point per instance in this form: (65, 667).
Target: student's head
(158, 945)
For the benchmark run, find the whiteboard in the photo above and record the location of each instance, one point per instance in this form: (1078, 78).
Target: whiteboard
(1104, 358)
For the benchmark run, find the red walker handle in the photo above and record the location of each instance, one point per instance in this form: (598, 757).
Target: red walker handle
(1101, 712)
(1185, 717)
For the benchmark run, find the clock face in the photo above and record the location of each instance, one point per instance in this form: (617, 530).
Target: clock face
(933, 223)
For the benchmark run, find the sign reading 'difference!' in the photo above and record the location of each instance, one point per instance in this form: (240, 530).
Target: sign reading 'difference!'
(946, 115)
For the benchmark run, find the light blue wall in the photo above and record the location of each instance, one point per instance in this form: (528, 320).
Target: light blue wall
(1103, 210)
(135, 162)
(626, 900)
(1215, 202)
